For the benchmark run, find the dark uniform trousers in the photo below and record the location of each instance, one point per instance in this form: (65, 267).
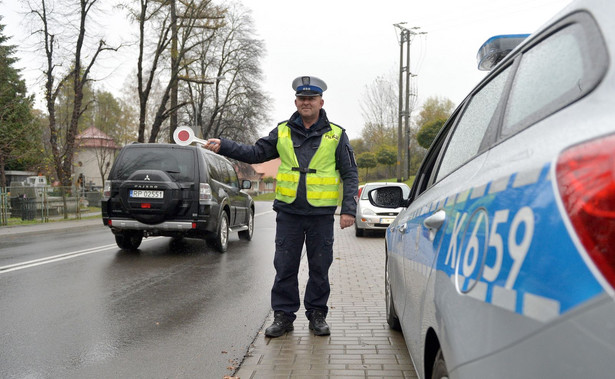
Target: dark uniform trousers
(292, 231)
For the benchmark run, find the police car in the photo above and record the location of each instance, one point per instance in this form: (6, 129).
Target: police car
(502, 264)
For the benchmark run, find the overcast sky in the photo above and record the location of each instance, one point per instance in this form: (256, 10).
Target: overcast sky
(350, 43)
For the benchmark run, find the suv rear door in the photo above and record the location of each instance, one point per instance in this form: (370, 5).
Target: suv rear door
(142, 170)
(227, 185)
(239, 201)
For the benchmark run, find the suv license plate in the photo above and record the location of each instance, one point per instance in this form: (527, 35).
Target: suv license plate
(148, 194)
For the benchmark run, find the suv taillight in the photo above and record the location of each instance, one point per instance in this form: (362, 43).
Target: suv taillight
(205, 192)
(586, 181)
(107, 189)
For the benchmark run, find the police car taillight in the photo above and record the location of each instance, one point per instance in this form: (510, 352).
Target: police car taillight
(586, 182)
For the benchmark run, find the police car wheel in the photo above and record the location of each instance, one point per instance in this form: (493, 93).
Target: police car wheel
(129, 239)
(439, 370)
(247, 234)
(392, 318)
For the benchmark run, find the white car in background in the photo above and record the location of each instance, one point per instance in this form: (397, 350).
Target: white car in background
(370, 217)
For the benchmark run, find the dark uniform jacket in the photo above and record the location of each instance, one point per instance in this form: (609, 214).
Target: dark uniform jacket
(306, 142)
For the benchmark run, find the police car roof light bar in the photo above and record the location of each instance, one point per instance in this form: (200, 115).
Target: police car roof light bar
(496, 48)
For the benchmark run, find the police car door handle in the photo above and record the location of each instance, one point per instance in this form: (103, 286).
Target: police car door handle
(434, 222)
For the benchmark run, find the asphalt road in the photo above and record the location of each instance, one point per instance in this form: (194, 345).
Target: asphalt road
(73, 305)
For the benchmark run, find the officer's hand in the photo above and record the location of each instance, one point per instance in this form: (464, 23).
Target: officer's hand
(346, 221)
(213, 144)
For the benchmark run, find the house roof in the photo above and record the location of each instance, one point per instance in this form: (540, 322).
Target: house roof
(93, 137)
(246, 171)
(269, 168)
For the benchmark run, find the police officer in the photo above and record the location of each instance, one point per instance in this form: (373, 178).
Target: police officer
(316, 158)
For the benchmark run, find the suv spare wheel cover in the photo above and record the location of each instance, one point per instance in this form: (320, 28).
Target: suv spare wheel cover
(150, 210)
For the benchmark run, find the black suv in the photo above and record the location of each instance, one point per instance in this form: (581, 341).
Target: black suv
(175, 191)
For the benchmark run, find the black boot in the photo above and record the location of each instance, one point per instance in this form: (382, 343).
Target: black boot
(281, 324)
(318, 324)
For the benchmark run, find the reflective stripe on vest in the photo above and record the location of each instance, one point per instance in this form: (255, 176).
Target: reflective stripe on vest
(321, 177)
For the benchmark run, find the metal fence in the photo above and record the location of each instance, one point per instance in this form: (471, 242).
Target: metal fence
(4, 207)
(45, 203)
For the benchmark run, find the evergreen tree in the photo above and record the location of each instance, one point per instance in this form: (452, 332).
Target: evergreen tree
(16, 120)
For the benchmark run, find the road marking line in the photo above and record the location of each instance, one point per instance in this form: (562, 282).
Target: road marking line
(74, 254)
(59, 257)
(55, 258)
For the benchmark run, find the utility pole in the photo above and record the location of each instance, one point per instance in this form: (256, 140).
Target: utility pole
(402, 68)
(174, 71)
(405, 76)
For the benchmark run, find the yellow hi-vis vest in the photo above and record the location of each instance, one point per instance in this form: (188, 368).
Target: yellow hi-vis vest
(321, 178)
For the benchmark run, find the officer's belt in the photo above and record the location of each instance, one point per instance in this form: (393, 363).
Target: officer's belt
(304, 170)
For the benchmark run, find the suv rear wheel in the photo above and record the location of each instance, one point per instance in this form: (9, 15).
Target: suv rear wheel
(247, 234)
(220, 242)
(129, 239)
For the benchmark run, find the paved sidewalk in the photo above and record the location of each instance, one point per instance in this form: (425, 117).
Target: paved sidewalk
(53, 226)
(361, 345)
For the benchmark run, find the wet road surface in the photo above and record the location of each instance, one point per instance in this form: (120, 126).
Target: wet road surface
(73, 305)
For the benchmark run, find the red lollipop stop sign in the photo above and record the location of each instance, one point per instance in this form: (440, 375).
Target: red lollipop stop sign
(184, 136)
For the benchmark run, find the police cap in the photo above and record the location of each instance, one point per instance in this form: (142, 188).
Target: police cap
(309, 86)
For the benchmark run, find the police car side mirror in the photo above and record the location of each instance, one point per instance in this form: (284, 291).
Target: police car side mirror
(246, 184)
(387, 197)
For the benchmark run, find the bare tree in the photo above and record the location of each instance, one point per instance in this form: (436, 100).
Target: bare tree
(175, 23)
(223, 84)
(63, 144)
(379, 110)
(65, 104)
(137, 115)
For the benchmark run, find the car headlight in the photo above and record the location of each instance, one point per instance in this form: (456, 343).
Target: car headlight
(368, 212)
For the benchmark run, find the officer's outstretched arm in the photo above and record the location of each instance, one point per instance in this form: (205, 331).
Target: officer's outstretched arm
(213, 144)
